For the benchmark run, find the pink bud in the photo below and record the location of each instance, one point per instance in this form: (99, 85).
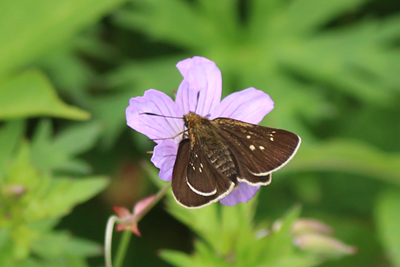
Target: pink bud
(322, 244)
(302, 226)
(124, 214)
(142, 204)
(128, 220)
(14, 190)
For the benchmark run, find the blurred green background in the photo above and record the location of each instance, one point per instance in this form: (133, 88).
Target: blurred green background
(68, 69)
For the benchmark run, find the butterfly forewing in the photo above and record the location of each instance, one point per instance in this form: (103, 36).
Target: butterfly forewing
(192, 188)
(259, 150)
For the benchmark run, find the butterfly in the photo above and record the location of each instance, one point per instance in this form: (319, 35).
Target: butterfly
(215, 155)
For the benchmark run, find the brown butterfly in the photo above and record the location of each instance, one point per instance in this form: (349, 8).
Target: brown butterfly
(215, 155)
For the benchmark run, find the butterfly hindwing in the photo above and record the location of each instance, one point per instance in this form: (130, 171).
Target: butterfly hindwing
(259, 150)
(192, 188)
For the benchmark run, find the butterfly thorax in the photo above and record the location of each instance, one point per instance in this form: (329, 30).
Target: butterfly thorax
(205, 140)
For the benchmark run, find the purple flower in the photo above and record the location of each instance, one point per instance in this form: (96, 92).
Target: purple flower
(199, 92)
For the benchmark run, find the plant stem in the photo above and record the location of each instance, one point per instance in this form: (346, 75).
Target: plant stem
(122, 248)
(108, 239)
(124, 243)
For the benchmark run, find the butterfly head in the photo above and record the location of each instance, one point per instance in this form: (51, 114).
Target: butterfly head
(191, 119)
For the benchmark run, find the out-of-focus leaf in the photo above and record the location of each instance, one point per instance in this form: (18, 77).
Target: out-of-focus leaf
(387, 218)
(389, 28)
(55, 244)
(10, 136)
(64, 260)
(62, 194)
(32, 204)
(230, 239)
(3, 236)
(30, 94)
(278, 246)
(353, 60)
(177, 258)
(68, 71)
(77, 139)
(174, 14)
(352, 68)
(305, 16)
(58, 153)
(44, 196)
(110, 114)
(160, 74)
(30, 28)
(350, 156)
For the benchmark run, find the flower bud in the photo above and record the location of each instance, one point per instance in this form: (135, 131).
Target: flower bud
(302, 226)
(128, 220)
(14, 190)
(322, 244)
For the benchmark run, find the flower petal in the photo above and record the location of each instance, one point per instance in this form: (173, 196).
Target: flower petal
(122, 212)
(200, 90)
(242, 193)
(164, 156)
(142, 204)
(154, 127)
(249, 105)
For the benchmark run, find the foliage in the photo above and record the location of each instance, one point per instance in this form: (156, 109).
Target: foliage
(68, 69)
(227, 242)
(33, 200)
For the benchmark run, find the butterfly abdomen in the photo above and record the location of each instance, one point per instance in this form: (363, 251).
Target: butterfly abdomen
(222, 159)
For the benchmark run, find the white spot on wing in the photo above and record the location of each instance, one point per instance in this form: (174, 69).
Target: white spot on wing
(279, 167)
(261, 147)
(252, 147)
(248, 137)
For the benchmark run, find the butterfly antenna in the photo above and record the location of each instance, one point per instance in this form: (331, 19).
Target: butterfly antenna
(159, 115)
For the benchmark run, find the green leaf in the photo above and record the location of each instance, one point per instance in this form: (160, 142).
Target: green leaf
(387, 215)
(31, 94)
(61, 243)
(42, 24)
(61, 261)
(62, 194)
(10, 136)
(4, 237)
(172, 15)
(77, 139)
(279, 243)
(309, 15)
(350, 156)
(109, 112)
(59, 153)
(230, 239)
(177, 258)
